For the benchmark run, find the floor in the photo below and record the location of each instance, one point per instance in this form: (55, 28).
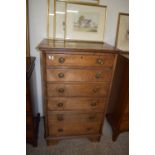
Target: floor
(82, 146)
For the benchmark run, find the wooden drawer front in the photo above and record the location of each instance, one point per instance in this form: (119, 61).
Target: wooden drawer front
(78, 75)
(86, 89)
(73, 117)
(62, 103)
(106, 60)
(72, 129)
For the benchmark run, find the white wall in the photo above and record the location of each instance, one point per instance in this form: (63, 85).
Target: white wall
(37, 27)
(38, 31)
(114, 7)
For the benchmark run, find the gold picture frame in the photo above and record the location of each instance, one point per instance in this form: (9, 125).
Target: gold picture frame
(122, 34)
(51, 23)
(27, 31)
(60, 20)
(51, 6)
(81, 1)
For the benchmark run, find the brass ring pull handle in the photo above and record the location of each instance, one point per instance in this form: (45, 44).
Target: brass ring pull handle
(93, 104)
(100, 61)
(61, 75)
(60, 130)
(91, 117)
(61, 90)
(98, 75)
(60, 118)
(89, 129)
(60, 104)
(61, 60)
(95, 90)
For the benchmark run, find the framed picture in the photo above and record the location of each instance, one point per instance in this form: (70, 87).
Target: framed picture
(122, 36)
(82, 1)
(85, 22)
(60, 20)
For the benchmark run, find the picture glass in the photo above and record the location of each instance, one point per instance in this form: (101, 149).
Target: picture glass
(82, 1)
(60, 20)
(123, 33)
(51, 19)
(85, 22)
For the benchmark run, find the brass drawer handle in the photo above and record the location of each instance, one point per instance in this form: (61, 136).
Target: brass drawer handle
(61, 90)
(93, 104)
(60, 130)
(61, 75)
(95, 90)
(89, 129)
(60, 118)
(91, 117)
(100, 61)
(98, 75)
(61, 60)
(60, 104)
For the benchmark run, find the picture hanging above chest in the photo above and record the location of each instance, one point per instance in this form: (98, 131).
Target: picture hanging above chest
(76, 20)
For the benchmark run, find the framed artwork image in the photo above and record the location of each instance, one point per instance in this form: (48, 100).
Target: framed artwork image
(122, 35)
(85, 22)
(82, 1)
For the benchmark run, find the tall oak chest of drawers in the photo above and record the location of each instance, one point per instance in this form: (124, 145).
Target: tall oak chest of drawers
(76, 78)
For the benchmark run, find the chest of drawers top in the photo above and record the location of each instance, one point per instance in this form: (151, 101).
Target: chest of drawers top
(47, 45)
